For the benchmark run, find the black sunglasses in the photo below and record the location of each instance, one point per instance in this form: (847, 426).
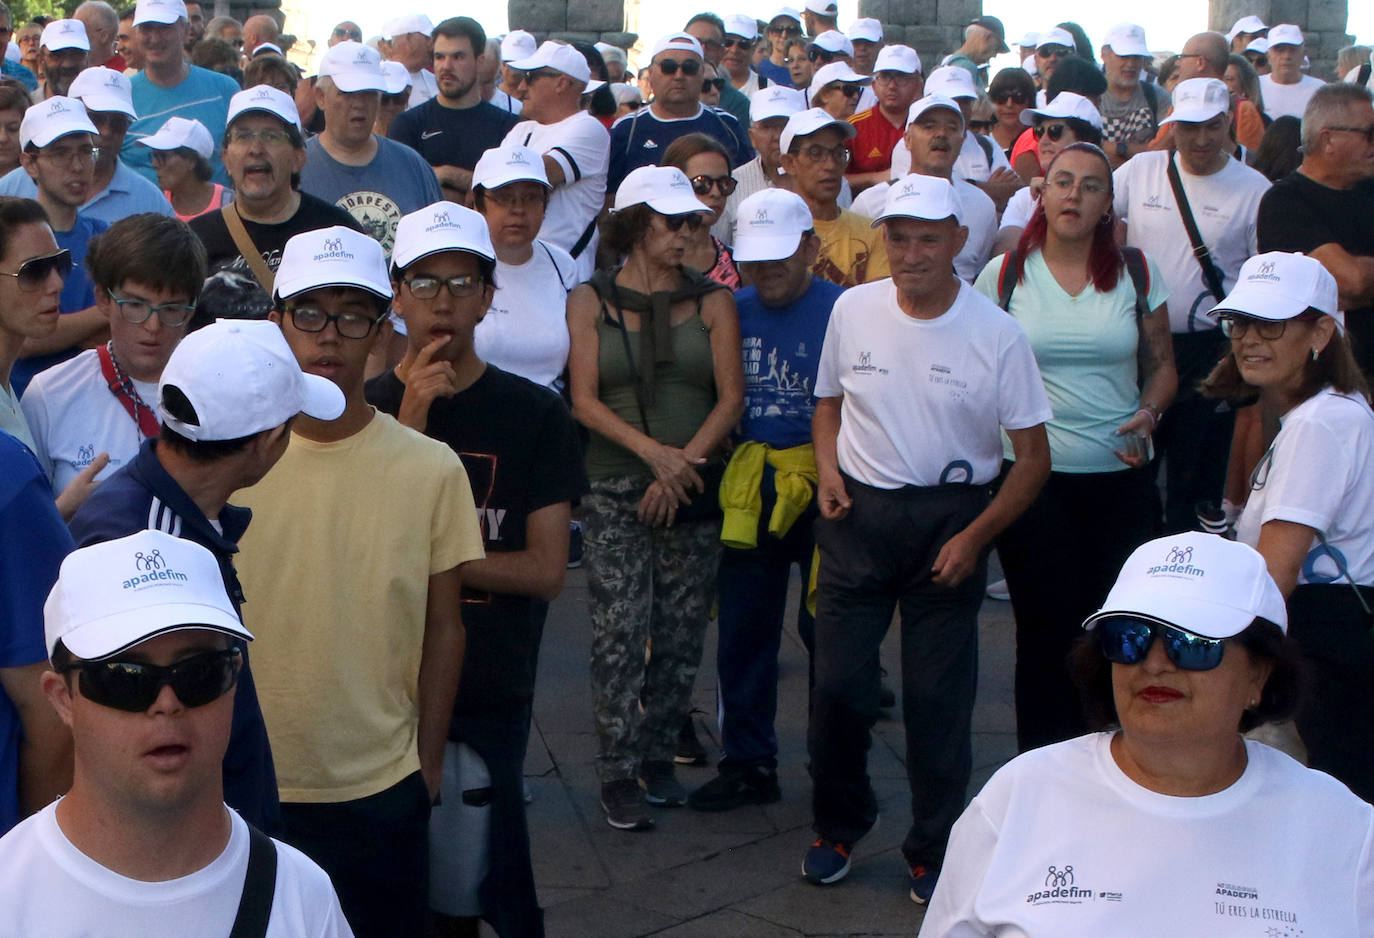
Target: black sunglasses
(708, 83)
(1015, 97)
(820, 55)
(728, 43)
(1127, 640)
(134, 686)
(702, 184)
(1053, 131)
(675, 222)
(688, 66)
(32, 274)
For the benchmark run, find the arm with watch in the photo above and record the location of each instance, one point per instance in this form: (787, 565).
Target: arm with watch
(1158, 384)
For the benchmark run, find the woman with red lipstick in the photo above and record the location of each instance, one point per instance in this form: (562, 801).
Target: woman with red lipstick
(1310, 510)
(1171, 822)
(1101, 340)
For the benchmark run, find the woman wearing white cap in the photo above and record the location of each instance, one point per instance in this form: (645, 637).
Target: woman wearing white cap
(836, 88)
(181, 157)
(1310, 510)
(656, 376)
(1171, 822)
(706, 164)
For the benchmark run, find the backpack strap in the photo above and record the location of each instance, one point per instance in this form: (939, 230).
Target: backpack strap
(1007, 278)
(259, 885)
(1363, 77)
(1139, 270)
(1151, 98)
(986, 144)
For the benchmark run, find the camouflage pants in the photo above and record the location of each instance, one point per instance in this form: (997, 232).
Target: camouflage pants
(650, 594)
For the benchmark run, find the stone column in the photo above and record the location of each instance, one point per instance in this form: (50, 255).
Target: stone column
(934, 28)
(581, 20)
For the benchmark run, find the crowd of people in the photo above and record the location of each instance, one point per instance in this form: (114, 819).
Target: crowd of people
(354, 365)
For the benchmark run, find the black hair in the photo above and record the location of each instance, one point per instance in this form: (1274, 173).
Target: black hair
(1013, 80)
(466, 27)
(622, 230)
(1076, 75)
(178, 406)
(15, 212)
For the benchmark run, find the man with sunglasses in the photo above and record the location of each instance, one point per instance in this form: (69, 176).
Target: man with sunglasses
(359, 736)
(782, 26)
(347, 31)
(146, 650)
(737, 54)
(1051, 48)
(411, 45)
(639, 139)
(709, 30)
(898, 82)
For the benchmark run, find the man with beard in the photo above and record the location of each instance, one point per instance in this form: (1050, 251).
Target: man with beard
(455, 127)
(66, 51)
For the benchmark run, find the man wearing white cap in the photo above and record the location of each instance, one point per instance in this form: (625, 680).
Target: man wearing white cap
(709, 30)
(373, 178)
(409, 36)
(519, 440)
(1286, 90)
(614, 57)
(1050, 49)
(639, 139)
(898, 83)
(769, 110)
(146, 650)
(169, 85)
(1205, 55)
(819, 16)
(1222, 197)
(866, 35)
(358, 770)
(981, 161)
(515, 45)
(454, 128)
(575, 145)
(737, 53)
(919, 379)
(1132, 109)
(1244, 31)
(66, 51)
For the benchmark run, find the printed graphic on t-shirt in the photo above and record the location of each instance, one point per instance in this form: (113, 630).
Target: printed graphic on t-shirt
(481, 469)
(774, 382)
(376, 212)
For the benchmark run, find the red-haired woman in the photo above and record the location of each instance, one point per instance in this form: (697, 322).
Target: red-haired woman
(1102, 343)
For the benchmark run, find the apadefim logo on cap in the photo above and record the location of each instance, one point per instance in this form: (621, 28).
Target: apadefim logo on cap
(442, 220)
(334, 251)
(152, 569)
(1178, 561)
(1265, 272)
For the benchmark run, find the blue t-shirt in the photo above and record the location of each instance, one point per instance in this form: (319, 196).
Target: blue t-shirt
(203, 95)
(33, 541)
(639, 139)
(127, 194)
(20, 73)
(397, 182)
(777, 74)
(782, 350)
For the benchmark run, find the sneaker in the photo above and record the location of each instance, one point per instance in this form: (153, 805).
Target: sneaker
(661, 786)
(689, 748)
(623, 802)
(826, 862)
(735, 788)
(574, 544)
(923, 880)
(999, 591)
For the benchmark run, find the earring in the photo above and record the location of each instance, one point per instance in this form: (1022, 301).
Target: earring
(1314, 354)
(1252, 704)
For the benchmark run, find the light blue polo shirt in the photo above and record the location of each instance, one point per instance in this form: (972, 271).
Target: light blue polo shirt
(203, 95)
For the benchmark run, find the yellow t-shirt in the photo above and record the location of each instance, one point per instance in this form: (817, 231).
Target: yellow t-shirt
(335, 567)
(852, 251)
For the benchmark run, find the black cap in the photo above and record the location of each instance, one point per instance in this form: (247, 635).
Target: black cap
(993, 25)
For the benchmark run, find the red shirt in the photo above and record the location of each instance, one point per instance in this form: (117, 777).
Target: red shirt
(871, 149)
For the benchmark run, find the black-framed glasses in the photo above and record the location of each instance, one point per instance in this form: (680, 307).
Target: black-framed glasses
(1126, 639)
(134, 686)
(1236, 325)
(1015, 97)
(982, 127)
(789, 29)
(675, 222)
(460, 287)
(269, 136)
(399, 99)
(136, 311)
(1053, 131)
(33, 273)
(702, 184)
(707, 84)
(1366, 132)
(1052, 52)
(308, 318)
(815, 153)
(670, 66)
(728, 43)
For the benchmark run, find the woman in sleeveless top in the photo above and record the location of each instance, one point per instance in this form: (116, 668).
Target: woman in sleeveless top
(656, 377)
(181, 157)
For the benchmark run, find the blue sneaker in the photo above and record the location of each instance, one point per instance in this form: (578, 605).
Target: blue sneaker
(923, 880)
(826, 862)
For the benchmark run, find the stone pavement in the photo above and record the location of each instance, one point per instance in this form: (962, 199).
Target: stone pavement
(737, 873)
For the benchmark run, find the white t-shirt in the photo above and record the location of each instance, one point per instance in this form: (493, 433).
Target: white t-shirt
(1020, 208)
(505, 102)
(976, 211)
(525, 331)
(972, 162)
(1287, 99)
(580, 144)
(1060, 843)
(422, 87)
(1225, 206)
(1317, 473)
(925, 399)
(49, 887)
(74, 417)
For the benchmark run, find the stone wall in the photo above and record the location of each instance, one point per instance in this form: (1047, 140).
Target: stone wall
(580, 20)
(1323, 24)
(934, 28)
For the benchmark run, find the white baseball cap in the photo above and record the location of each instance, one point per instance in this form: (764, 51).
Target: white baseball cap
(835, 71)
(610, 53)
(1246, 24)
(180, 132)
(353, 66)
(1057, 37)
(104, 89)
(832, 40)
(267, 99)
(518, 44)
(676, 42)
(1200, 582)
(55, 117)
(332, 257)
(823, 7)
(791, 13)
(65, 34)
(12, 53)
(410, 23)
(440, 227)
(1127, 39)
(665, 189)
(1278, 286)
(929, 198)
(558, 56)
(1259, 44)
(921, 105)
(241, 378)
(1029, 41)
(115, 594)
(776, 101)
(742, 25)
(159, 11)
(396, 76)
(952, 81)
(1065, 104)
(509, 163)
(805, 123)
(1285, 34)
(867, 29)
(770, 225)
(897, 58)
(626, 93)
(264, 47)
(1199, 99)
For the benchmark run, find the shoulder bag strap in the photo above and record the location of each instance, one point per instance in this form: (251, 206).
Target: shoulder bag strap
(1007, 277)
(251, 255)
(1139, 271)
(1210, 275)
(259, 885)
(629, 356)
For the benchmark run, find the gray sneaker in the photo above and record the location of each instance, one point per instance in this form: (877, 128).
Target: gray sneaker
(661, 786)
(623, 802)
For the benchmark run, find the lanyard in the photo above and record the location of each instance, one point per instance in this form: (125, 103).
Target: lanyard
(124, 391)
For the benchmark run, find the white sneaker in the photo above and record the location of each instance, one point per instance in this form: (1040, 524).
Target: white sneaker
(999, 591)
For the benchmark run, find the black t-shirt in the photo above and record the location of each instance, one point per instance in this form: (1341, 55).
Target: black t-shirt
(519, 446)
(447, 136)
(1297, 214)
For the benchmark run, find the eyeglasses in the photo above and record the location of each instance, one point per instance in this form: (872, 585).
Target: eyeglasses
(349, 34)
(531, 77)
(1366, 132)
(270, 136)
(1236, 325)
(702, 184)
(507, 199)
(785, 30)
(460, 287)
(1053, 131)
(1127, 640)
(728, 43)
(399, 99)
(349, 325)
(1053, 52)
(708, 83)
(134, 686)
(1064, 184)
(688, 66)
(33, 274)
(820, 55)
(138, 311)
(78, 155)
(850, 90)
(815, 153)
(675, 222)
(1015, 97)
(981, 127)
